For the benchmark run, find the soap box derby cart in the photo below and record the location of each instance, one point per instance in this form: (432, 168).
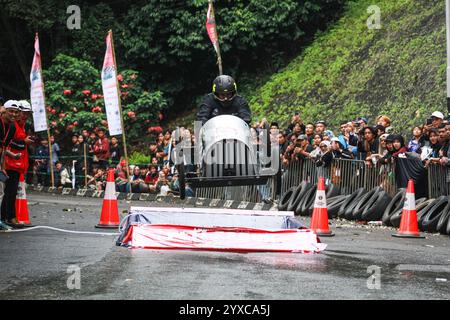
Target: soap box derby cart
(228, 152)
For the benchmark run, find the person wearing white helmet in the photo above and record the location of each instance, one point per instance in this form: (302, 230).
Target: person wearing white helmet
(7, 131)
(16, 162)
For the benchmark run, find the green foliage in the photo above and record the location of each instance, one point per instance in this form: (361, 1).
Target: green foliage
(350, 71)
(138, 158)
(83, 106)
(165, 40)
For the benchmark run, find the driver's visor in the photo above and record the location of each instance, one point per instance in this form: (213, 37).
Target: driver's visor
(225, 96)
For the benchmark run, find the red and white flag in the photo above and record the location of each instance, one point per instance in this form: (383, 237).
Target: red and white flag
(211, 27)
(37, 96)
(111, 92)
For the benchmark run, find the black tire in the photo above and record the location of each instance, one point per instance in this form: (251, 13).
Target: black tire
(332, 191)
(305, 203)
(333, 202)
(349, 210)
(368, 199)
(351, 198)
(430, 221)
(443, 221)
(284, 201)
(423, 212)
(396, 217)
(298, 195)
(447, 229)
(374, 211)
(334, 206)
(393, 206)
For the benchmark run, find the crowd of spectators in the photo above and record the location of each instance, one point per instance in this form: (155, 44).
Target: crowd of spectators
(370, 142)
(375, 143)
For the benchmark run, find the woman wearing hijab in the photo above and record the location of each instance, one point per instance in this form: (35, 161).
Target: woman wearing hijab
(399, 145)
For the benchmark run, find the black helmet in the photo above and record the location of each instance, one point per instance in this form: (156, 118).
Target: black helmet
(224, 89)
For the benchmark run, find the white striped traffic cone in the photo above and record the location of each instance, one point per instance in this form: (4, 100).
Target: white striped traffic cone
(409, 226)
(22, 215)
(110, 212)
(319, 220)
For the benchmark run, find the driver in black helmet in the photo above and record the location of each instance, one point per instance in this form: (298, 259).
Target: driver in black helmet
(224, 100)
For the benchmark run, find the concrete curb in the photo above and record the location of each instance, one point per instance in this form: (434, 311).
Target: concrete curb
(148, 197)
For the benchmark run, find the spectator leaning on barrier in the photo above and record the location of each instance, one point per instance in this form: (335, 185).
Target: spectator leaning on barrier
(41, 167)
(387, 157)
(122, 184)
(338, 151)
(55, 149)
(417, 141)
(316, 146)
(325, 157)
(432, 155)
(302, 148)
(152, 175)
(399, 145)
(90, 149)
(382, 149)
(282, 143)
(347, 138)
(369, 144)
(442, 136)
(309, 132)
(101, 149)
(137, 181)
(62, 176)
(116, 152)
(77, 156)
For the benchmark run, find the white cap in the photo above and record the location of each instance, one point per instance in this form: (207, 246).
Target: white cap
(11, 104)
(327, 143)
(437, 114)
(25, 106)
(334, 139)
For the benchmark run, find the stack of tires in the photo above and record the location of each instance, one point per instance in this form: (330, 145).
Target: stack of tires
(433, 214)
(360, 205)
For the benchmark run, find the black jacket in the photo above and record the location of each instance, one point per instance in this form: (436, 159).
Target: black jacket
(211, 108)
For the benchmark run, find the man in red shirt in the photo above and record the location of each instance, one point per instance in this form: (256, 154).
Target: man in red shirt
(101, 149)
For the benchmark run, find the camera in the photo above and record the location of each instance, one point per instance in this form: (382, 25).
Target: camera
(429, 121)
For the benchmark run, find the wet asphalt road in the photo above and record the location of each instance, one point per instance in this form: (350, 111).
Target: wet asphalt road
(34, 264)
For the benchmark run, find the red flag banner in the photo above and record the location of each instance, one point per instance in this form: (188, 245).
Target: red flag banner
(211, 27)
(110, 90)
(37, 90)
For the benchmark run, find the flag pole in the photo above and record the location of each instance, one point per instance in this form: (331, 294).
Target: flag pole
(52, 175)
(120, 113)
(216, 43)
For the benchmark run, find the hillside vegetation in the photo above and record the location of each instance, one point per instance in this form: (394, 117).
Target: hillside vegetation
(350, 71)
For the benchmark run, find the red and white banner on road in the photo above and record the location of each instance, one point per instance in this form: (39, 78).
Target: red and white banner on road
(37, 96)
(233, 239)
(110, 89)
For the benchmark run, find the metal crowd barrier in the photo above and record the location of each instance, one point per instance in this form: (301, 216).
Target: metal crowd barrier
(349, 175)
(438, 184)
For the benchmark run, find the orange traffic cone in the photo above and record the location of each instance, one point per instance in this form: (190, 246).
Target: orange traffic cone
(110, 211)
(409, 226)
(21, 203)
(319, 220)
